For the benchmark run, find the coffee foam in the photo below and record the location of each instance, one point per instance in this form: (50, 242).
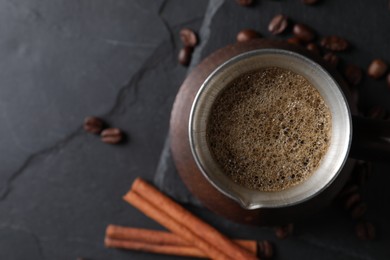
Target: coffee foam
(269, 129)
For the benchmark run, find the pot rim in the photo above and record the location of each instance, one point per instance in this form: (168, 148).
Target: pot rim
(240, 193)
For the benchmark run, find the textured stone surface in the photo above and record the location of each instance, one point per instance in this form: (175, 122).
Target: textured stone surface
(63, 60)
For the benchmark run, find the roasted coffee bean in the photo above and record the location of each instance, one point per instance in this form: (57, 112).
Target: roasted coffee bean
(352, 200)
(185, 55)
(362, 172)
(112, 136)
(278, 24)
(245, 2)
(303, 32)
(332, 59)
(313, 48)
(334, 43)
(377, 69)
(388, 80)
(93, 125)
(285, 231)
(265, 249)
(365, 230)
(294, 41)
(247, 35)
(347, 190)
(309, 2)
(377, 112)
(358, 210)
(354, 95)
(188, 37)
(353, 74)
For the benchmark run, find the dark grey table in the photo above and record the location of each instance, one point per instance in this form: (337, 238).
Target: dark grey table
(62, 60)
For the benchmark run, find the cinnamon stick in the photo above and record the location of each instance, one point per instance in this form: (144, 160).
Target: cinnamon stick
(174, 226)
(154, 248)
(145, 235)
(221, 246)
(161, 238)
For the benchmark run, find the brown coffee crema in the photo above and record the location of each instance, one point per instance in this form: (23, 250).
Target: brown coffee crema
(269, 129)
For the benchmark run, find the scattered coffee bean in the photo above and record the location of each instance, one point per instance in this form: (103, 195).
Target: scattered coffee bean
(185, 55)
(313, 48)
(112, 136)
(309, 2)
(188, 37)
(358, 210)
(377, 112)
(334, 43)
(352, 200)
(353, 74)
(365, 230)
(245, 2)
(354, 95)
(332, 59)
(388, 80)
(285, 231)
(265, 249)
(278, 24)
(294, 41)
(247, 35)
(93, 125)
(303, 32)
(347, 190)
(362, 172)
(377, 69)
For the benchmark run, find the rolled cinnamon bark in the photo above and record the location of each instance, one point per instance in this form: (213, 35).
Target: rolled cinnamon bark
(165, 220)
(156, 237)
(183, 223)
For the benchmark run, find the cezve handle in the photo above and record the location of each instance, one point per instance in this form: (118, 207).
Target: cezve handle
(371, 139)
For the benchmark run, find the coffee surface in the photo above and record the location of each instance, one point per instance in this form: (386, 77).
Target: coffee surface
(269, 129)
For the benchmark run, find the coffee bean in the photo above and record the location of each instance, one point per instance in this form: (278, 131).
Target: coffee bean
(332, 59)
(303, 32)
(347, 190)
(388, 80)
(247, 35)
(93, 125)
(354, 95)
(294, 41)
(278, 24)
(351, 200)
(377, 69)
(313, 48)
(377, 112)
(185, 55)
(245, 2)
(334, 43)
(365, 230)
(112, 136)
(309, 2)
(358, 210)
(188, 37)
(265, 249)
(283, 232)
(362, 171)
(353, 74)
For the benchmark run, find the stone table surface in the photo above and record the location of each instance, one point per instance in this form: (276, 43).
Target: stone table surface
(63, 60)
